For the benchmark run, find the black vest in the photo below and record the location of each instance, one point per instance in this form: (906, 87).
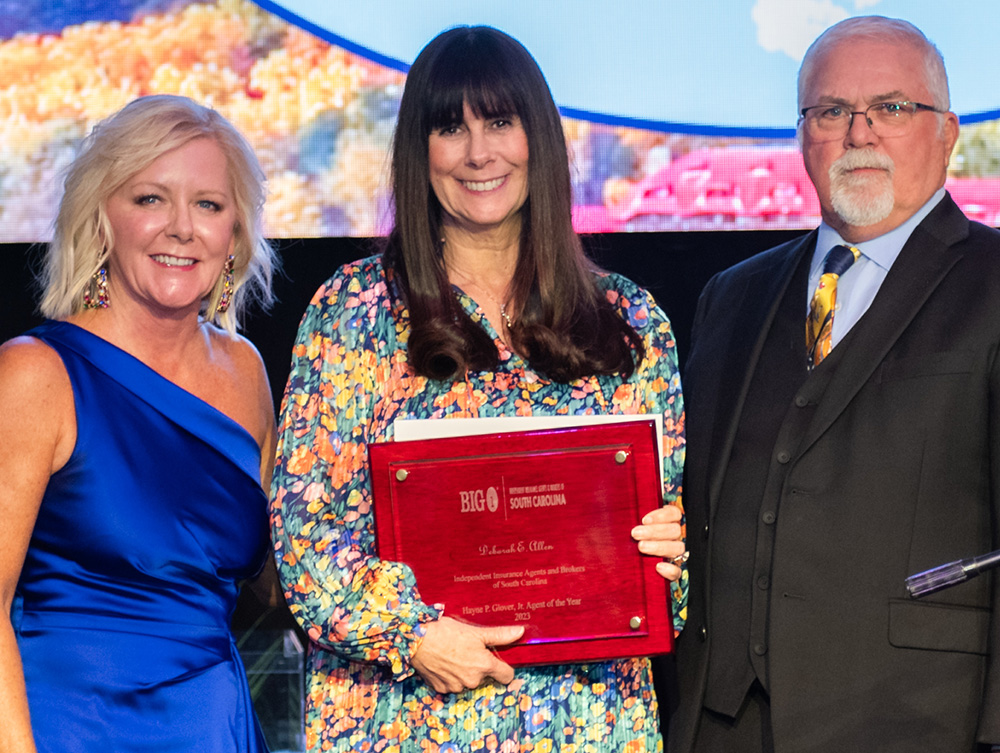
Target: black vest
(779, 406)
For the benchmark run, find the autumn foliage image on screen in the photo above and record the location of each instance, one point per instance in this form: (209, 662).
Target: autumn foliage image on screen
(321, 118)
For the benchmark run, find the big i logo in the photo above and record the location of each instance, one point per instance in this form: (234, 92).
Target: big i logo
(479, 500)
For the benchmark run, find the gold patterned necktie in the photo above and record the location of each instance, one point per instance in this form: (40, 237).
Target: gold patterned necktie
(819, 325)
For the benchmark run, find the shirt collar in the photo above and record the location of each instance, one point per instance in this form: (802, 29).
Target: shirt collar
(882, 250)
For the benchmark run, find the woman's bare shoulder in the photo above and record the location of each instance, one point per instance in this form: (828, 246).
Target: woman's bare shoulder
(36, 400)
(242, 374)
(242, 354)
(28, 361)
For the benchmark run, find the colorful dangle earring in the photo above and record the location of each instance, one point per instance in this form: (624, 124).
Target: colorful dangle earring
(95, 295)
(227, 286)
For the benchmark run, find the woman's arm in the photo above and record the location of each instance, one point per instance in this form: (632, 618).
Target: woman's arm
(37, 434)
(253, 376)
(345, 597)
(658, 384)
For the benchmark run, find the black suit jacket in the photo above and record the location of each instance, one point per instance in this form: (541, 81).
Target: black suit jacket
(898, 471)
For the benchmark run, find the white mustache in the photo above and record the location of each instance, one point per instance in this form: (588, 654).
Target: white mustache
(859, 159)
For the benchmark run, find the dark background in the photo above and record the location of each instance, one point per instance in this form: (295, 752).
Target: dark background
(674, 267)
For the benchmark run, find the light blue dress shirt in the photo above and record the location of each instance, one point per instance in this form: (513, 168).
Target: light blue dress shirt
(857, 287)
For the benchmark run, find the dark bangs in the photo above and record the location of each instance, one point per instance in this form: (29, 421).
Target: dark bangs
(478, 70)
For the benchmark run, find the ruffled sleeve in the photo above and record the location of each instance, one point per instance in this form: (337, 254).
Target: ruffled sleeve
(346, 598)
(657, 383)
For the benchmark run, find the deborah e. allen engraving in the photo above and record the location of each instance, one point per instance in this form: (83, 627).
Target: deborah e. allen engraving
(515, 547)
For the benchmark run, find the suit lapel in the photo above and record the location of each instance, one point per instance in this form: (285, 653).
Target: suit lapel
(916, 273)
(755, 313)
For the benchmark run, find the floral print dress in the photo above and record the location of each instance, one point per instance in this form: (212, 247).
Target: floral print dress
(349, 382)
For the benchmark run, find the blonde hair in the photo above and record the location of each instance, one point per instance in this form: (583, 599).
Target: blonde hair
(122, 146)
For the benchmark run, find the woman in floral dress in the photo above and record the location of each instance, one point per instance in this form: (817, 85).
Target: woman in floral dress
(482, 305)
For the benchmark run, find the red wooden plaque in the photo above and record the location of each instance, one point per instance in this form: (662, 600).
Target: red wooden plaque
(532, 528)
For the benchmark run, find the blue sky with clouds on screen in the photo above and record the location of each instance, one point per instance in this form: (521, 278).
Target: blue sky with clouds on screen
(714, 62)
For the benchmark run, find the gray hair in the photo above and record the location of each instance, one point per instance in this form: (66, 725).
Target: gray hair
(882, 29)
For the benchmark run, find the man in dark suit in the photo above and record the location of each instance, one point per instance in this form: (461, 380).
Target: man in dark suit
(824, 468)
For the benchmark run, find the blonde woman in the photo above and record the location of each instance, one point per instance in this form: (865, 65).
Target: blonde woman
(135, 432)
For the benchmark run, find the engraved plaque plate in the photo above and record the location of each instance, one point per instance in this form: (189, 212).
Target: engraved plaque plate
(532, 528)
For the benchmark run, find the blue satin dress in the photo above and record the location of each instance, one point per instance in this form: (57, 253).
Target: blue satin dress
(123, 607)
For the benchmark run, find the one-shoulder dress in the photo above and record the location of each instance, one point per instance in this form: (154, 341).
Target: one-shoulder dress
(123, 607)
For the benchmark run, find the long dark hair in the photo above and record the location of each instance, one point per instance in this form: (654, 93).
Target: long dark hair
(564, 327)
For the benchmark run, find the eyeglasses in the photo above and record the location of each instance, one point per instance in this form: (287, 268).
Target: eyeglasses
(886, 119)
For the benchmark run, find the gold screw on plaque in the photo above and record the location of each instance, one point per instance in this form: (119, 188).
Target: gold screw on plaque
(635, 623)
(401, 474)
(621, 456)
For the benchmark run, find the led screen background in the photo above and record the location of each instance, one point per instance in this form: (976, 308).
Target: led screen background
(679, 116)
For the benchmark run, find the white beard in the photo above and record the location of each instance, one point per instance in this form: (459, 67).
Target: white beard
(862, 200)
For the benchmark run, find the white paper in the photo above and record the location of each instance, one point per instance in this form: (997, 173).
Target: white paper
(436, 428)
